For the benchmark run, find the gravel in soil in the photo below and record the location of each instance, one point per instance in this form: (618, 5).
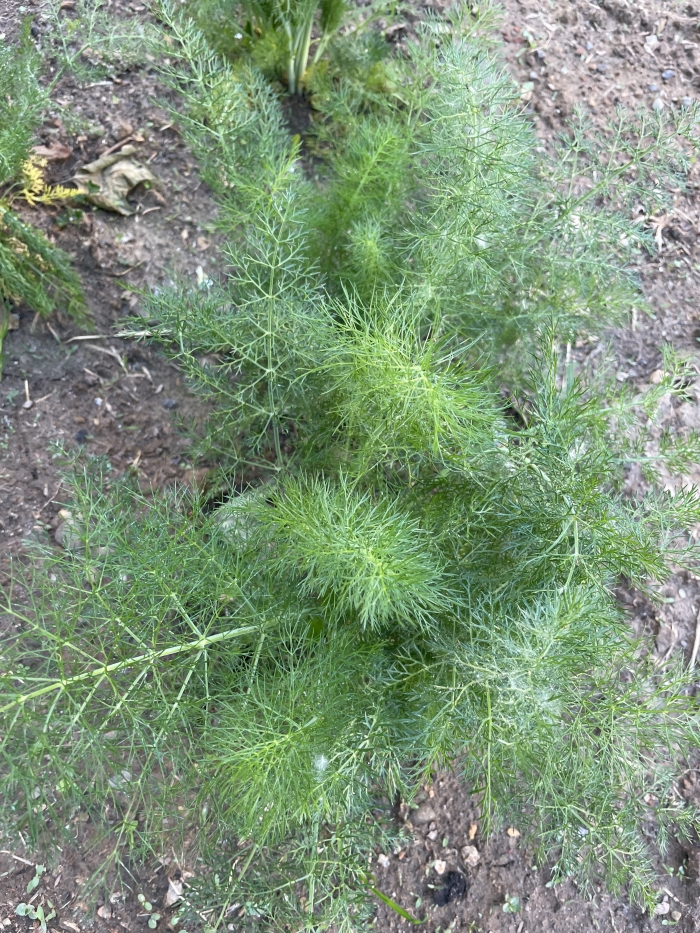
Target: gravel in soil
(65, 887)
(122, 400)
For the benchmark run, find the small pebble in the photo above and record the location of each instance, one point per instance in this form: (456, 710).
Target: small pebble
(681, 594)
(658, 105)
(653, 87)
(383, 860)
(601, 67)
(686, 101)
(589, 46)
(540, 54)
(471, 856)
(98, 402)
(668, 74)
(169, 403)
(424, 814)
(81, 436)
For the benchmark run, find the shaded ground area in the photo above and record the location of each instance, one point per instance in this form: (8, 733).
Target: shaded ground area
(87, 387)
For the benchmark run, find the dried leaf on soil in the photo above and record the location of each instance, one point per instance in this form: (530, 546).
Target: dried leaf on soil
(107, 181)
(174, 892)
(54, 152)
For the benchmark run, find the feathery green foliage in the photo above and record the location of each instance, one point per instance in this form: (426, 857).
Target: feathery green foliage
(431, 177)
(91, 42)
(401, 574)
(21, 104)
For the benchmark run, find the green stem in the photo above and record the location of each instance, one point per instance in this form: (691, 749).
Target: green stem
(302, 58)
(148, 657)
(487, 797)
(397, 908)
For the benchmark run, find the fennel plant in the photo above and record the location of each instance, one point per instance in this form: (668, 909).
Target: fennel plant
(403, 567)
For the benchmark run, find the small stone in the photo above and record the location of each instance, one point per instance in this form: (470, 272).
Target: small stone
(682, 594)
(424, 814)
(653, 88)
(440, 866)
(105, 912)
(668, 74)
(540, 54)
(65, 534)
(383, 860)
(686, 101)
(661, 909)
(526, 90)
(676, 915)
(589, 46)
(81, 436)
(470, 856)
(601, 67)
(658, 105)
(169, 403)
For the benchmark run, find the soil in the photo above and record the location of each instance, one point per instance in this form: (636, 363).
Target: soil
(123, 400)
(88, 388)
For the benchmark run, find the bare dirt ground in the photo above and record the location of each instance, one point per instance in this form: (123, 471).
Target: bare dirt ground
(88, 388)
(123, 400)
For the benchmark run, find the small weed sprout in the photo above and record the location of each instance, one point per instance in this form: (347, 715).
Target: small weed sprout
(399, 570)
(37, 913)
(34, 882)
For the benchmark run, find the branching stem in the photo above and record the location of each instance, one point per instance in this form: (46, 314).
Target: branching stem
(149, 657)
